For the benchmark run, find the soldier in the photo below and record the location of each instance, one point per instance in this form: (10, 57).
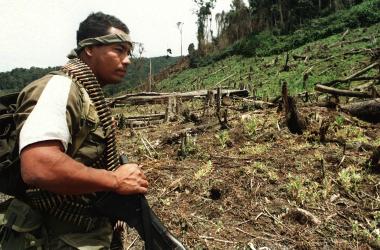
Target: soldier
(67, 146)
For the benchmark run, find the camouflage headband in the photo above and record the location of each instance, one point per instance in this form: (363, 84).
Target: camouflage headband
(101, 40)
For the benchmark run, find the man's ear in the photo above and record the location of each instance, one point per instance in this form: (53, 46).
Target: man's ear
(88, 50)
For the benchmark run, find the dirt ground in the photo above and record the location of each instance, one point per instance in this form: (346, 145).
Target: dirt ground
(255, 184)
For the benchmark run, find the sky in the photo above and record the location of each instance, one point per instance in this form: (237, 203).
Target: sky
(41, 33)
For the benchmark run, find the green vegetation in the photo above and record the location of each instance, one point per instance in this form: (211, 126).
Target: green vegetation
(250, 127)
(204, 170)
(223, 138)
(251, 33)
(138, 73)
(16, 79)
(305, 190)
(350, 178)
(368, 233)
(188, 147)
(266, 44)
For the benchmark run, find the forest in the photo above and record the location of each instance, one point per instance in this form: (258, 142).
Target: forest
(138, 73)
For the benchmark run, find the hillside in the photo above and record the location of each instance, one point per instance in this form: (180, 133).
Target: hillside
(323, 60)
(247, 181)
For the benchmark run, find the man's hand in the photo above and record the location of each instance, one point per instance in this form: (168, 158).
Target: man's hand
(130, 180)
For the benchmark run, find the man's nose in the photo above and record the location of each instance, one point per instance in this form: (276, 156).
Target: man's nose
(126, 60)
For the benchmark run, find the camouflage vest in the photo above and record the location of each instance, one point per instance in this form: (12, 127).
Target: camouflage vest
(93, 145)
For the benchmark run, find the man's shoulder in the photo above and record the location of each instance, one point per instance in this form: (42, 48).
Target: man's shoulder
(51, 77)
(57, 82)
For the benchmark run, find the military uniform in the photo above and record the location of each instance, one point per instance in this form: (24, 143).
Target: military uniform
(68, 106)
(57, 108)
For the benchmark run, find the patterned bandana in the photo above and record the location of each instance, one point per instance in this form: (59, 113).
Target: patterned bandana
(101, 40)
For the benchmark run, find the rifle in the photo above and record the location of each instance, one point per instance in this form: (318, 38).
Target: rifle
(136, 212)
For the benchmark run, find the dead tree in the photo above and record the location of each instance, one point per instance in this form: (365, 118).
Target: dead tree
(286, 66)
(323, 130)
(294, 121)
(219, 112)
(368, 111)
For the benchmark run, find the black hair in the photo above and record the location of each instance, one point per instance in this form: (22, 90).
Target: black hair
(98, 24)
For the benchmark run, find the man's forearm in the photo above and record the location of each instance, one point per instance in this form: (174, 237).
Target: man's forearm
(48, 168)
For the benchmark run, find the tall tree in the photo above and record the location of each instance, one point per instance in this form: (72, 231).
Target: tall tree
(203, 13)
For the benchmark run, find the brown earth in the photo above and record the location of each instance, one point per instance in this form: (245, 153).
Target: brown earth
(240, 188)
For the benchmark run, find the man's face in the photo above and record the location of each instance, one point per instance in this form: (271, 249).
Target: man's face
(109, 62)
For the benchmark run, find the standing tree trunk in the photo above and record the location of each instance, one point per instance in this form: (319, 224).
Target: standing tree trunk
(294, 120)
(280, 7)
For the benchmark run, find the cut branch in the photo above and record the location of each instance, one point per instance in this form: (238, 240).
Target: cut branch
(175, 136)
(362, 39)
(225, 79)
(353, 76)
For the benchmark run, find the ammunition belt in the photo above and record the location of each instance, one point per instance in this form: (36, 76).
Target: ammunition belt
(70, 208)
(83, 75)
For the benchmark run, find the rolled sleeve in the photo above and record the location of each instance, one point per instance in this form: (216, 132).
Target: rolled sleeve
(47, 120)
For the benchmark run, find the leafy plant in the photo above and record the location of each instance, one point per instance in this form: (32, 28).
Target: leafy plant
(250, 127)
(339, 120)
(295, 186)
(204, 170)
(362, 233)
(303, 190)
(223, 137)
(349, 178)
(188, 146)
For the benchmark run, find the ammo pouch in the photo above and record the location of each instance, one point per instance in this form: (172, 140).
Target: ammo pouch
(20, 227)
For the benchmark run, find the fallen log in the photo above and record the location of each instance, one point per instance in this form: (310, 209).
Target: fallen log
(163, 98)
(139, 94)
(351, 52)
(258, 104)
(341, 92)
(368, 111)
(362, 71)
(356, 79)
(146, 117)
(175, 136)
(135, 123)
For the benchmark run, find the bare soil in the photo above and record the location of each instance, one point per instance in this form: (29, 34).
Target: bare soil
(240, 188)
